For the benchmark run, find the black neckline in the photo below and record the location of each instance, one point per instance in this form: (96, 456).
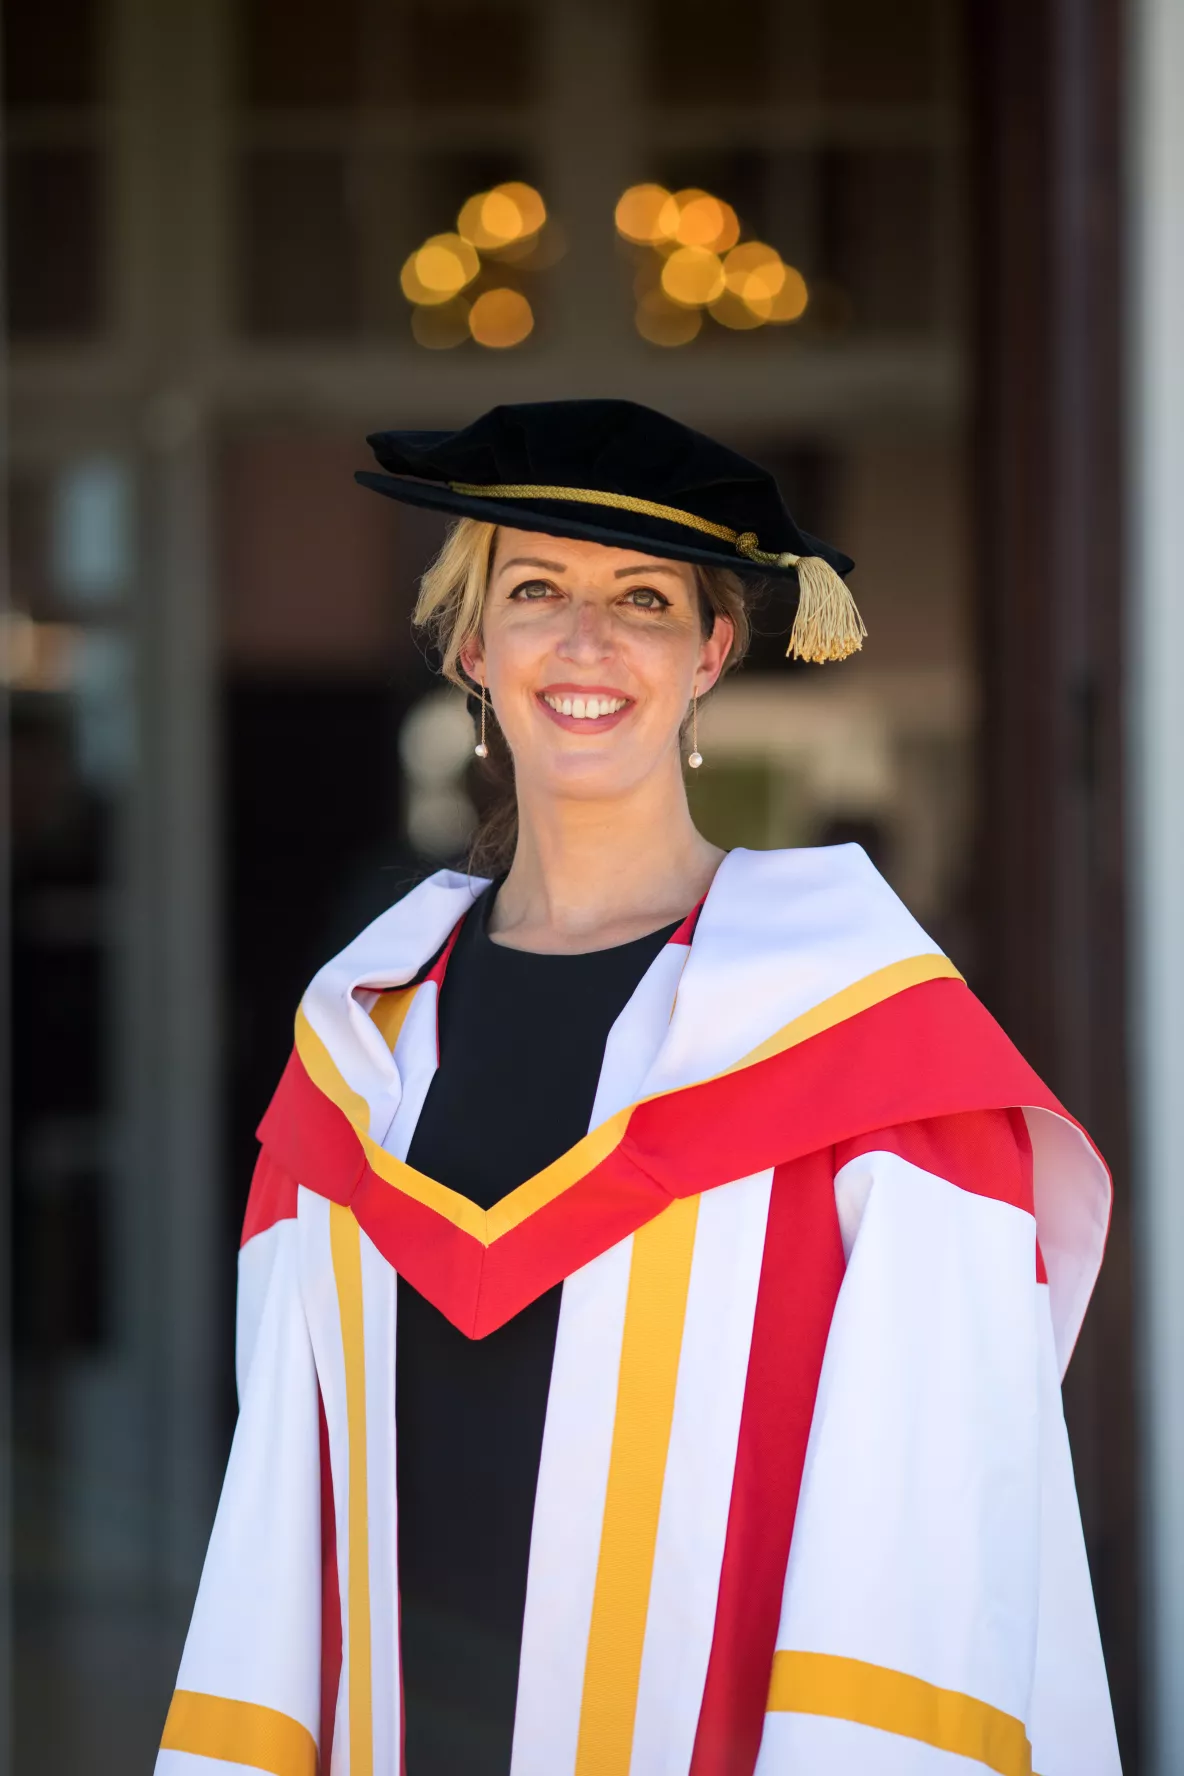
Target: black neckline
(483, 907)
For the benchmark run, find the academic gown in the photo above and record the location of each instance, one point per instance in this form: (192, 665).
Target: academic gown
(805, 1500)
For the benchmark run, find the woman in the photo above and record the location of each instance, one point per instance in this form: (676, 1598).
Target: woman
(659, 1267)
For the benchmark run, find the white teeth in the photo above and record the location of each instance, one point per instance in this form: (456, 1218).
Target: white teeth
(586, 708)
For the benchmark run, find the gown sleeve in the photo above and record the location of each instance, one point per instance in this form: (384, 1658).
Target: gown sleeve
(937, 1614)
(249, 1688)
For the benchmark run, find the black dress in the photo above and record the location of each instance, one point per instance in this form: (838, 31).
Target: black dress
(522, 1040)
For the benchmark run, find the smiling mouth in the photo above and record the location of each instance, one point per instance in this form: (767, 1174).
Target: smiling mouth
(584, 711)
(587, 708)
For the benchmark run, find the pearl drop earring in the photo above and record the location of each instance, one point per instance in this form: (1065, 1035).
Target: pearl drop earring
(695, 757)
(481, 750)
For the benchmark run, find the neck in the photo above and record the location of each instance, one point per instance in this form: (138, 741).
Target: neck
(589, 874)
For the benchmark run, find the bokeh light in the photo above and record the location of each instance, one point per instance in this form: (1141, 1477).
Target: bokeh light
(439, 270)
(704, 221)
(639, 214)
(501, 318)
(441, 326)
(509, 214)
(693, 276)
(531, 207)
(506, 223)
(754, 271)
(791, 300)
(696, 261)
(663, 322)
(489, 220)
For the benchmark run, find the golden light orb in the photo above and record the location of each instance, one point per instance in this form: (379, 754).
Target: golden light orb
(439, 270)
(663, 322)
(501, 219)
(698, 217)
(470, 224)
(510, 214)
(638, 211)
(501, 318)
(532, 211)
(754, 271)
(791, 300)
(666, 223)
(411, 286)
(693, 276)
(705, 221)
(729, 232)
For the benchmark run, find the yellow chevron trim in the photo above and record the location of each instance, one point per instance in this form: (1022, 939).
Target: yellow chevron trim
(486, 1226)
(861, 995)
(322, 1070)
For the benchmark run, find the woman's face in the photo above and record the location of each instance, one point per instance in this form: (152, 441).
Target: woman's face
(591, 656)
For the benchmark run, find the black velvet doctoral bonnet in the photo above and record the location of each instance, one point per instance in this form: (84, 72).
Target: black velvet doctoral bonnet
(546, 448)
(617, 473)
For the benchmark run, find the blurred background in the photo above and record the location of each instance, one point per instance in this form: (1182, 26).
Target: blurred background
(924, 260)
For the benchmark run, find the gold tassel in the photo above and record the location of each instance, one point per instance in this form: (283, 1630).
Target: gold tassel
(828, 625)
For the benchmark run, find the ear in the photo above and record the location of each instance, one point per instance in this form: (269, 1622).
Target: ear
(472, 659)
(713, 653)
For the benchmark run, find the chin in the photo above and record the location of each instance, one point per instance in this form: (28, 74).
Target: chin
(587, 783)
(603, 778)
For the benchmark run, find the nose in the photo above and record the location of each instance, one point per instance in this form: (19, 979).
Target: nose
(589, 635)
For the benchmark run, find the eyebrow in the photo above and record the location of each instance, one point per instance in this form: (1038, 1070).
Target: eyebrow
(654, 568)
(561, 567)
(530, 561)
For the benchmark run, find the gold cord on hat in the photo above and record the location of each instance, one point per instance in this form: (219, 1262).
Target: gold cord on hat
(827, 626)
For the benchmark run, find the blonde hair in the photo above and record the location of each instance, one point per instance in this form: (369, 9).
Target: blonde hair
(449, 610)
(452, 593)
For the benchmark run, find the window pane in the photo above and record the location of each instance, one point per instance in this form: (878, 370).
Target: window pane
(51, 53)
(879, 224)
(464, 53)
(696, 54)
(297, 245)
(299, 52)
(54, 225)
(874, 54)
